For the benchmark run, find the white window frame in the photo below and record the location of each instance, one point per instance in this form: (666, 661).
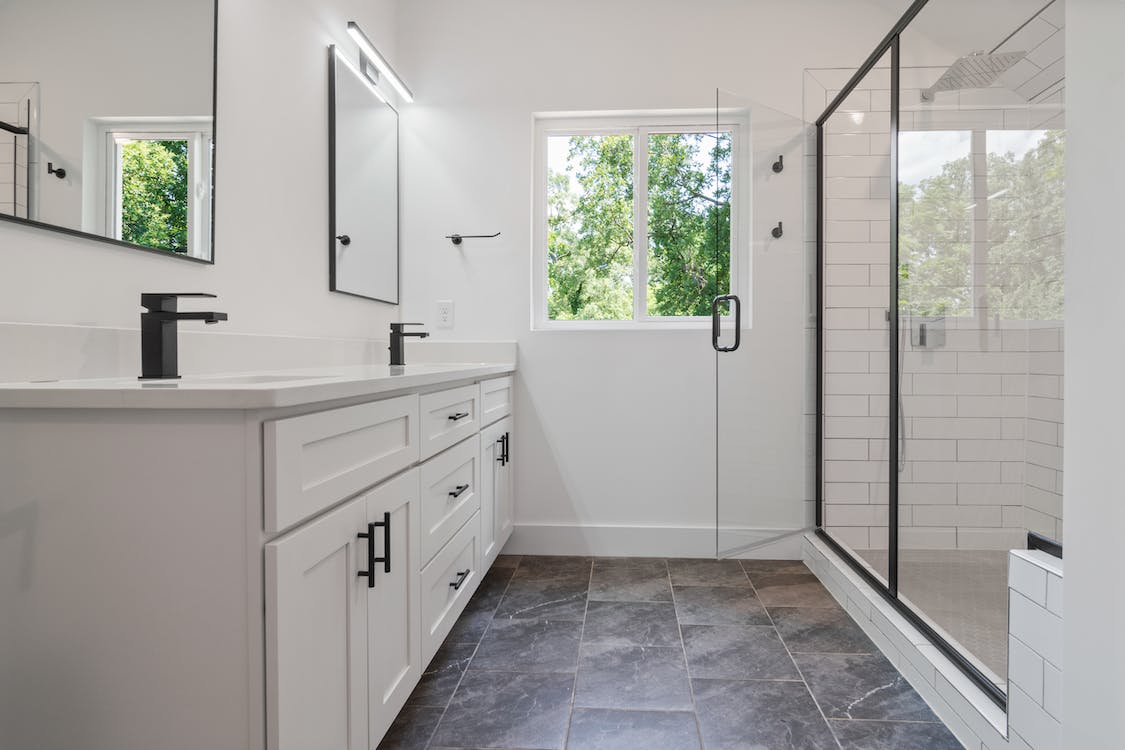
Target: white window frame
(198, 134)
(640, 126)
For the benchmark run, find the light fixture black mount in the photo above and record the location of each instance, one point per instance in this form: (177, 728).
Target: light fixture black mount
(344, 239)
(13, 129)
(777, 231)
(457, 239)
(779, 165)
(60, 172)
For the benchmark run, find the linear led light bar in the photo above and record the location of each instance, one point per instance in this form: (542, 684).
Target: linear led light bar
(361, 77)
(368, 49)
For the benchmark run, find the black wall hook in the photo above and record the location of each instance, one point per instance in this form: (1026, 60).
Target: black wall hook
(779, 165)
(344, 239)
(777, 231)
(456, 239)
(60, 172)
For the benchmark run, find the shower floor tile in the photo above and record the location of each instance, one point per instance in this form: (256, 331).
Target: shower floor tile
(548, 659)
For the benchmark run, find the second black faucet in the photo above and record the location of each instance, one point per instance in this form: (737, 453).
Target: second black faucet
(398, 356)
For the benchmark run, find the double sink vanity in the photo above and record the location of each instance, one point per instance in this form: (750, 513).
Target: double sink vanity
(244, 561)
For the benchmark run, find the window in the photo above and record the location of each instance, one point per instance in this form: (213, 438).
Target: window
(158, 185)
(635, 220)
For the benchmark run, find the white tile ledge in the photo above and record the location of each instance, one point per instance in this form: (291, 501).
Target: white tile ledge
(1041, 559)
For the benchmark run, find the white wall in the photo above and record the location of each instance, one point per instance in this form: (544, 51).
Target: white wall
(615, 428)
(1094, 497)
(271, 270)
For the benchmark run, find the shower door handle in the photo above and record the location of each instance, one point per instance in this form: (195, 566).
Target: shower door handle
(715, 322)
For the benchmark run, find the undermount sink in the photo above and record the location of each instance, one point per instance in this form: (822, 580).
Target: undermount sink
(252, 379)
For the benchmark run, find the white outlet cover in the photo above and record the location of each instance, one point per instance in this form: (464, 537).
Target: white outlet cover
(445, 313)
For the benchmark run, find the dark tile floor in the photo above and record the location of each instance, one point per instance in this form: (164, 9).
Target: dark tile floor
(652, 654)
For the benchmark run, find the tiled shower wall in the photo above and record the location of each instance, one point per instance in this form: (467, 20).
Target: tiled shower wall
(982, 411)
(14, 151)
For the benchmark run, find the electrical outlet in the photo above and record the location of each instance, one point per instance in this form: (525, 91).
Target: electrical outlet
(445, 313)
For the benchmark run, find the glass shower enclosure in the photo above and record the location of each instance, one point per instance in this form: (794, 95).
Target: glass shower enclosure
(940, 301)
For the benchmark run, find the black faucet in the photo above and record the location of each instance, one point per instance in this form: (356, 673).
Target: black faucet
(398, 357)
(158, 333)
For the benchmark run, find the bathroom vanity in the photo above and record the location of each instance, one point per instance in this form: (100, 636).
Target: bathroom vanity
(251, 561)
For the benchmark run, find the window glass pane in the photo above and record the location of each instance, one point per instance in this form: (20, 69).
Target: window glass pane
(689, 187)
(1026, 221)
(936, 211)
(154, 193)
(590, 227)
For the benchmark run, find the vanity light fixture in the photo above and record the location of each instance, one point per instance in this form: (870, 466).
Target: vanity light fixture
(367, 49)
(366, 82)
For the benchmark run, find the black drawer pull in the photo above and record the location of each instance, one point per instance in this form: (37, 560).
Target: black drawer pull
(459, 415)
(461, 576)
(459, 491)
(505, 457)
(369, 574)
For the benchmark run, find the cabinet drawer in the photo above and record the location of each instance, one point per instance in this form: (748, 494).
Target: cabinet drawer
(449, 417)
(447, 583)
(450, 494)
(495, 399)
(316, 460)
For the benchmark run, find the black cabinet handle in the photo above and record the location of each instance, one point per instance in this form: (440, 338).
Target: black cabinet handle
(458, 415)
(459, 490)
(369, 574)
(461, 576)
(507, 448)
(502, 440)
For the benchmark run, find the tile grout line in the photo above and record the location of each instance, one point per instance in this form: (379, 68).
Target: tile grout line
(578, 656)
(683, 651)
(796, 666)
(476, 648)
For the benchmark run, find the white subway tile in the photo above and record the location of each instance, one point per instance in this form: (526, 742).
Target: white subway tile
(1049, 409)
(847, 144)
(1013, 428)
(917, 449)
(938, 472)
(956, 427)
(916, 493)
(855, 383)
(855, 296)
(1052, 690)
(1025, 669)
(991, 406)
(1015, 385)
(929, 406)
(855, 471)
(1013, 472)
(852, 537)
(1035, 626)
(1028, 579)
(1039, 728)
(957, 515)
(846, 275)
(846, 318)
(836, 405)
(990, 450)
(844, 449)
(845, 492)
(846, 362)
(855, 515)
(990, 493)
(1048, 456)
(962, 384)
(854, 427)
(856, 252)
(927, 538)
(1040, 431)
(1055, 593)
(863, 341)
(990, 539)
(856, 166)
(991, 362)
(847, 231)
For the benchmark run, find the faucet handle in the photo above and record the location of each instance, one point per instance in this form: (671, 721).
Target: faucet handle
(166, 301)
(399, 326)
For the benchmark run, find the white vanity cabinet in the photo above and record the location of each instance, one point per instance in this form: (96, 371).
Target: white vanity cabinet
(496, 466)
(343, 621)
(237, 567)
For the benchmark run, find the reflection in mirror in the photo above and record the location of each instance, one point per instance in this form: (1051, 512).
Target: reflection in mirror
(363, 185)
(107, 119)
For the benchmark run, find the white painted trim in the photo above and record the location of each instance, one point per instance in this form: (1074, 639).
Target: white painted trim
(645, 541)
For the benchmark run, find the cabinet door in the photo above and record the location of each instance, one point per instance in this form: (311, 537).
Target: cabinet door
(316, 634)
(394, 620)
(496, 489)
(505, 490)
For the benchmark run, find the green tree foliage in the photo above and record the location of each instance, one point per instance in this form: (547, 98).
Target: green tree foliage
(154, 197)
(590, 232)
(1023, 273)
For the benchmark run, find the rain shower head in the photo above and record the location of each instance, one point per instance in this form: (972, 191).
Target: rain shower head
(975, 71)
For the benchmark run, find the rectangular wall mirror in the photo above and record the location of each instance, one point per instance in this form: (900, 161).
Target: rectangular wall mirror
(363, 185)
(107, 120)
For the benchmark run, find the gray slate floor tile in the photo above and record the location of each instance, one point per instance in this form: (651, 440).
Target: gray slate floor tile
(893, 735)
(638, 677)
(501, 709)
(558, 599)
(742, 653)
(631, 582)
(707, 573)
(442, 675)
(759, 714)
(529, 646)
(850, 686)
(719, 605)
(412, 728)
(631, 624)
(603, 729)
(820, 630)
(792, 590)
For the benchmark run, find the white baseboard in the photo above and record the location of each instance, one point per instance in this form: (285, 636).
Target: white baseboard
(649, 541)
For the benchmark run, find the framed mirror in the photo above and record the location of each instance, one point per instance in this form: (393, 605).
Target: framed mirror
(362, 185)
(107, 112)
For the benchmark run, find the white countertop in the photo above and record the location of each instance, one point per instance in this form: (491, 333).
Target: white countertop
(254, 390)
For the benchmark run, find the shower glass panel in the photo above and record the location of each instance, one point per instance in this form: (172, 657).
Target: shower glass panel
(763, 502)
(980, 306)
(856, 156)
